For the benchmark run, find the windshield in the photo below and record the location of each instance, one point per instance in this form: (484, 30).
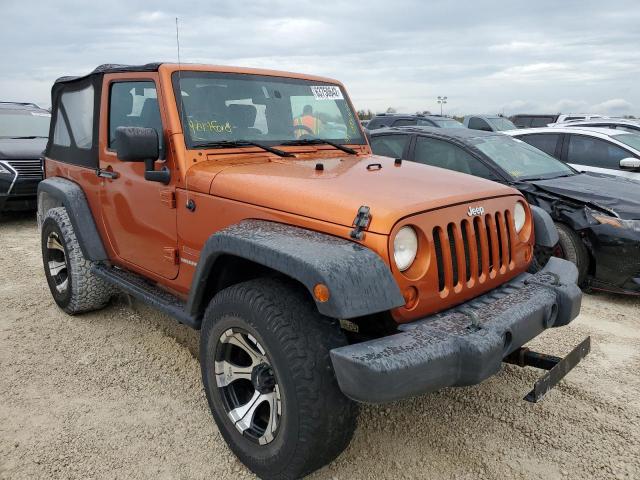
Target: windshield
(630, 139)
(501, 123)
(265, 109)
(449, 124)
(520, 160)
(24, 123)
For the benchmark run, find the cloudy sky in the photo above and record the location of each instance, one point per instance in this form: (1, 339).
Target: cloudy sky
(486, 56)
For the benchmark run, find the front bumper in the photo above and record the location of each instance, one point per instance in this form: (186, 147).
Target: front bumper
(461, 346)
(18, 194)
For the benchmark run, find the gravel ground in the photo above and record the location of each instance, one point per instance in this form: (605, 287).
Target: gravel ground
(117, 394)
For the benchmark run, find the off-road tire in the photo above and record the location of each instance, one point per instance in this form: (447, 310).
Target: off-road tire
(84, 291)
(574, 250)
(317, 420)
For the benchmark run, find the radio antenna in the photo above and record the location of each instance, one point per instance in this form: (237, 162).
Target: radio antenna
(179, 70)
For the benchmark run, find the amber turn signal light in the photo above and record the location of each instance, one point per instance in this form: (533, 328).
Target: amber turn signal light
(321, 292)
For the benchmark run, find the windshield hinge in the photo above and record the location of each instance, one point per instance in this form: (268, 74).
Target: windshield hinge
(361, 222)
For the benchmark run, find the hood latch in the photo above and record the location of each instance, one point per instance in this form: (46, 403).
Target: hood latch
(361, 222)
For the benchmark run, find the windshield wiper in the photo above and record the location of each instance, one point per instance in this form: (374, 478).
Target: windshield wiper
(547, 177)
(27, 137)
(243, 143)
(317, 141)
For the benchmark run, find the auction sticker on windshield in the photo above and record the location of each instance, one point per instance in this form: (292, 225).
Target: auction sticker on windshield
(326, 92)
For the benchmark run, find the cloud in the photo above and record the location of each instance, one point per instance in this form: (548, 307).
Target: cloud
(485, 56)
(615, 107)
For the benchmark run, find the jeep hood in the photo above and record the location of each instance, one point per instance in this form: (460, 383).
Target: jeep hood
(335, 193)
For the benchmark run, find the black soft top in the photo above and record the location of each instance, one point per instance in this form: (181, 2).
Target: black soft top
(114, 68)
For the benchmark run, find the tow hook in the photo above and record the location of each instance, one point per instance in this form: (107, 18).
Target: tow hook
(557, 367)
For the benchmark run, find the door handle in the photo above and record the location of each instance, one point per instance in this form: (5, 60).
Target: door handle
(107, 173)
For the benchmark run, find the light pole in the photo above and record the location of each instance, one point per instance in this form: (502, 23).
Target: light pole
(441, 100)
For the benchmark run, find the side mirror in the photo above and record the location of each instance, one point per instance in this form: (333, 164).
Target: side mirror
(138, 144)
(630, 163)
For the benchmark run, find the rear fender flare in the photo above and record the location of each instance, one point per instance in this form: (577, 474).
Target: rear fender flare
(54, 192)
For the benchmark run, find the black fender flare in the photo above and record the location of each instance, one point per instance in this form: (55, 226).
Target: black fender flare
(545, 230)
(359, 281)
(56, 191)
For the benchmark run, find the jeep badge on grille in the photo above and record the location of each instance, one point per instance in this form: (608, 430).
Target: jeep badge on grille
(475, 211)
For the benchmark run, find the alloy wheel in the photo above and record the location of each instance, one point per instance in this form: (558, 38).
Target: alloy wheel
(248, 386)
(57, 262)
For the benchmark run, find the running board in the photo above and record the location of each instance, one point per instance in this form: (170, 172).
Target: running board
(557, 367)
(146, 292)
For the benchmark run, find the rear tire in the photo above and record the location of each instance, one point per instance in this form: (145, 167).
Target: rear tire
(74, 288)
(572, 248)
(304, 420)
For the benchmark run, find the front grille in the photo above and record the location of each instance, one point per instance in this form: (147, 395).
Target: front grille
(27, 169)
(470, 250)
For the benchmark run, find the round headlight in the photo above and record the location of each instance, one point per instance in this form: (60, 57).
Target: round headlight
(405, 247)
(519, 216)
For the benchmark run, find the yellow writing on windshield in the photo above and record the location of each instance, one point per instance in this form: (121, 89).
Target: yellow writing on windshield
(209, 126)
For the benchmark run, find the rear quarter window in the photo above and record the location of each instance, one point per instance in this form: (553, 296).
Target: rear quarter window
(78, 106)
(547, 142)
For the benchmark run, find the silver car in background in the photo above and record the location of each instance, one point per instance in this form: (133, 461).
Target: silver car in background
(601, 150)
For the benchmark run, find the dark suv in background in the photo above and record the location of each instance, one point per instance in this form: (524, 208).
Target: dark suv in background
(24, 129)
(382, 120)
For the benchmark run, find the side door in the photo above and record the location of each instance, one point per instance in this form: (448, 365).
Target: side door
(139, 216)
(443, 154)
(592, 154)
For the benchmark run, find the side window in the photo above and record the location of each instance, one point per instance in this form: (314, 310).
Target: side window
(541, 121)
(547, 142)
(134, 104)
(61, 133)
(439, 153)
(476, 123)
(522, 122)
(404, 122)
(595, 152)
(426, 123)
(389, 145)
(78, 106)
(374, 123)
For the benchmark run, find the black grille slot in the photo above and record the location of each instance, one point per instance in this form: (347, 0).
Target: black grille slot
(454, 253)
(467, 252)
(487, 224)
(476, 228)
(499, 236)
(29, 169)
(438, 248)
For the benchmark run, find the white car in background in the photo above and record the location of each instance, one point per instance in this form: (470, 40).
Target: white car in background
(630, 125)
(524, 120)
(602, 150)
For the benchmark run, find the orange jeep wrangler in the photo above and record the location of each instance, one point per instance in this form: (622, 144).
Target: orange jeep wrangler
(247, 203)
